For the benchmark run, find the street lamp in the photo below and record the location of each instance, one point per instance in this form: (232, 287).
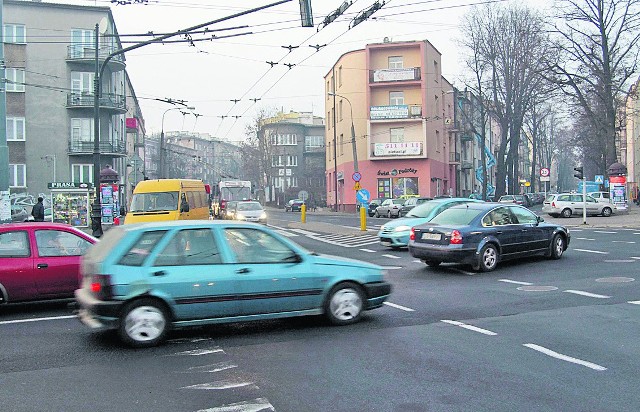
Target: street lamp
(162, 144)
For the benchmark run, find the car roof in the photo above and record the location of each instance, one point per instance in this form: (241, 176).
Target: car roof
(187, 224)
(37, 225)
(486, 206)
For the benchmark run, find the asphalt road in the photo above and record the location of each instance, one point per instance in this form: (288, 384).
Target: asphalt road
(534, 335)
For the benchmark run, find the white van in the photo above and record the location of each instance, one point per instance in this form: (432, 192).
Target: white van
(601, 197)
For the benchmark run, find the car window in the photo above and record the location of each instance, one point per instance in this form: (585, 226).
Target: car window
(564, 198)
(550, 198)
(256, 246)
(249, 206)
(498, 217)
(14, 244)
(398, 201)
(456, 216)
(60, 243)
(141, 248)
(576, 198)
(524, 216)
(386, 202)
(605, 195)
(190, 247)
(590, 199)
(423, 210)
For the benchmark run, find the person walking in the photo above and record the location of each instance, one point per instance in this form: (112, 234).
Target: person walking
(38, 211)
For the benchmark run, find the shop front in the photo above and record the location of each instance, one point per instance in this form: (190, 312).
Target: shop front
(70, 202)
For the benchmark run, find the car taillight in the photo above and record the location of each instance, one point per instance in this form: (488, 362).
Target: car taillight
(412, 236)
(223, 204)
(100, 286)
(456, 237)
(553, 204)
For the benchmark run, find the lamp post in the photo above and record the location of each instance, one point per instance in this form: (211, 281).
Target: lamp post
(162, 144)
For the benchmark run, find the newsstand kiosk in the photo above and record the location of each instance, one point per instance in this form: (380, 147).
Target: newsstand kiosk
(70, 202)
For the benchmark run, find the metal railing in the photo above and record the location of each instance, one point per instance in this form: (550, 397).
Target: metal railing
(106, 101)
(86, 147)
(88, 52)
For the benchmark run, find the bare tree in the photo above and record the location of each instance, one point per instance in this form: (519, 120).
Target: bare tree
(599, 45)
(257, 150)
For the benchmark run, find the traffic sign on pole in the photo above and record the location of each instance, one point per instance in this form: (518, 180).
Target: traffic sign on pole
(544, 172)
(356, 177)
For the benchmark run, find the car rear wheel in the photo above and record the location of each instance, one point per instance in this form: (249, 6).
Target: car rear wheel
(432, 263)
(557, 247)
(344, 304)
(566, 213)
(488, 258)
(606, 212)
(376, 214)
(143, 323)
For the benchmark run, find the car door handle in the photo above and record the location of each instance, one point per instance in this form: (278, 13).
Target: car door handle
(159, 273)
(524, 230)
(243, 270)
(42, 266)
(498, 232)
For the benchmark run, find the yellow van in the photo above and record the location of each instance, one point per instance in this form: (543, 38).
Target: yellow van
(169, 199)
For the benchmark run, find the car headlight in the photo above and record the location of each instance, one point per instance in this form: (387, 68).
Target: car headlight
(239, 216)
(403, 228)
(263, 215)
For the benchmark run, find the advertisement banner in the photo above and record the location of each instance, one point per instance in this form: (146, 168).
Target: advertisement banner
(398, 149)
(618, 191)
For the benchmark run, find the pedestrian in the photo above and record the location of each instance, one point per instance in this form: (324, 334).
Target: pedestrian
(38, 211)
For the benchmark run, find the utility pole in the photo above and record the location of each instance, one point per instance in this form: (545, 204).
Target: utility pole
(335, 144)
(5, 201)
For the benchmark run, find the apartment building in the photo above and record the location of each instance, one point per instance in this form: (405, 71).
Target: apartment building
(295, 146)
(631, 152)
(50, 58)
(396, 98)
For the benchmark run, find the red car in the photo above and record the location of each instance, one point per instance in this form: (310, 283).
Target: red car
(40, 260)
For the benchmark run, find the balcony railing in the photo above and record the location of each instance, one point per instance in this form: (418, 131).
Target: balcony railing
(112, 101)
(314, 149)
(88, 52)
(407, 149)
(86, 147)
(394, 75)
(401, 111)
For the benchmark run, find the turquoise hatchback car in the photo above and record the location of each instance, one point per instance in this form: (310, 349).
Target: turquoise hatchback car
(146, 278)
(395, 234)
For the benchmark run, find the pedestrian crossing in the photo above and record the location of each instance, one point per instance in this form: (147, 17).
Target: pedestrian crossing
(342, 240)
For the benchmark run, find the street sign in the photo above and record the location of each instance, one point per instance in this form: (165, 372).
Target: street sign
(545, 178)
(356, 177)
(599, 179)
(363, 196)
(303, 195)
(544, 172)
(357, 186)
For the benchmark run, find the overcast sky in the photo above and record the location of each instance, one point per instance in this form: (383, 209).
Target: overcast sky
(209, 74)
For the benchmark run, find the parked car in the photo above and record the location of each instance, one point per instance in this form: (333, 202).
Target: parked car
(250, 212)
(601, 197)
(483, 234)
(389, 208)
(405, 197)
(396, 233)
(411, 203)
(140, 279)
(568, 204)
(516, 199)
(373, 205)
(294, 205)
(19, 214)
(40, 260)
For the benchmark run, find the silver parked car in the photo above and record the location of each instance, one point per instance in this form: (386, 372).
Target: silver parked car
(389, 208)
(568, 204)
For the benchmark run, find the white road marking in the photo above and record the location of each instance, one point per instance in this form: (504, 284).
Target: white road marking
(256, 405)
(224, 384)
(393, 305)
(285, 233)
(623, 241)
(391, 267)
(470, 327)
(216, 367)
(634, 302)
(603, 231)
(368, 250)
(564, 357)
(392, 256)
(635, 257)
(304, 232)
(591, 251)
(417, 261)
(584, 238)
(576, 230)
(515, 282)
(197, 352)
(619, 260)
(638, 233)
(8, 322)
(587, 294)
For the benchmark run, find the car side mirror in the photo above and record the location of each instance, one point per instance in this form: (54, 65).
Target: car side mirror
(184, 207)
(540, 219)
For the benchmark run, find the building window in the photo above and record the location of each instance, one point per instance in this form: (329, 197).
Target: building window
(82, 39)
(395, 62)
(436, 71)
(438, 142)
(292, 160)
(15, 33)
(284, 140)
(15, 129)
(340, 76)
(15, 80)
(82, 82)
(328, 122)
(17, 175)
(313, 142)
(340, 109)
(82, 173)
(397, 186)
(276, 160)
(396, 98)
(396, 135)
(82, 130)
(341, 144)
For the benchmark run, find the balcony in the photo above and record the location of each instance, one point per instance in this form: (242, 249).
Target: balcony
(108, 101)
(84, 53)
(83, 147)
(386, 150)
(314, 149)
(401, 111)
(466, 164)
(394, 75)
(454, 158)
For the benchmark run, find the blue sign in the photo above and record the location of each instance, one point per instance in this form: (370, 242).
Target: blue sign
(599, 179)
(356, 176)
(363, 196)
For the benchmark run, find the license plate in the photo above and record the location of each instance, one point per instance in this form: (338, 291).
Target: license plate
(385, 242)
(431, 236)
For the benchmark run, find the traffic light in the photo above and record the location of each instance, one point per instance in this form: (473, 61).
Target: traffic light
(578, 173)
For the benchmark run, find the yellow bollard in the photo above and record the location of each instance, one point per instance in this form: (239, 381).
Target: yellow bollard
(363, 218)
(303, 213)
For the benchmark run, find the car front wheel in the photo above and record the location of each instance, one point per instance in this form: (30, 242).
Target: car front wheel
(344, 304)
(557, 247)
(488, 258)
(143, 323)
(376, 214)
(606, 212)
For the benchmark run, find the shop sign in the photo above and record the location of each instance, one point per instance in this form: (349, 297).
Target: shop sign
(397, 149)
(395, 172)
(389, 112)
(340, 175)
(68, 185)
(393, 75)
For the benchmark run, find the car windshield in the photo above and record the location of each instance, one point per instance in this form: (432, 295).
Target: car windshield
(456, 216)
(249, 206)
(423, 210)
(398, 201)
(154, 202)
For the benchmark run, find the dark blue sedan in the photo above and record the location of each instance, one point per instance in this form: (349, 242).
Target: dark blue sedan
(483, 234)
